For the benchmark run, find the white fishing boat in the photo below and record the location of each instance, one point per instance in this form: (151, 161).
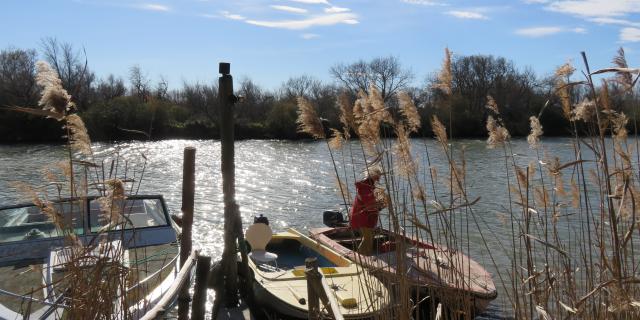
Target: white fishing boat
(134, 261)
(277, 263)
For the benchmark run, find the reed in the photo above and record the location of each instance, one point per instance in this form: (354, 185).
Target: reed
(573, 225)
(92, 287)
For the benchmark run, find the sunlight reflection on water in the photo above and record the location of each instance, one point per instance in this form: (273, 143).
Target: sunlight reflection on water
(290, 182)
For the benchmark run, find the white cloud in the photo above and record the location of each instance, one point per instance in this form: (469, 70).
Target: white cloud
(595, 8)
(312, 1)
(154, 7)
(467, 15)
(334, 9)
(232, 16)
(630, 34)
(290, 9)
(535, 1)
(323, 20)
(425, 2)
(309, 36)
(604, 20)
(538, 32)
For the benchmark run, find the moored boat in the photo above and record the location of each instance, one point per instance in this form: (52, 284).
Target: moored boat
(448, 275)
(129, 264)
(280, 283)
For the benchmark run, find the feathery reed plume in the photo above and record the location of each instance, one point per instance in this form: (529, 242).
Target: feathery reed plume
(439, 130)
(336, 140)
(406, 166)
(620, 61)
(492, 105)
(536, 131)
(78, 136)
(409, 111)
(604, 95)
(585, 111)
(379, 110)
(565, 70)
(619, 123)
(497, 133)
(445, 78)
(54, 97)
(346, 112)
(562, 88)
(308, 120)
(359, 106)
(111, 203)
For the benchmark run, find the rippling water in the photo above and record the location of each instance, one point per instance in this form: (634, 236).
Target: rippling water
(290, 182)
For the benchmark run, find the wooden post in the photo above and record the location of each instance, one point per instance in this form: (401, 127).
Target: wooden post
(318, 290)
(229, 258)
(313, 299)
(188, 195)
(200, 289)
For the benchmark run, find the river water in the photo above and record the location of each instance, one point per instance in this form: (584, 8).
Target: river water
(290, 182)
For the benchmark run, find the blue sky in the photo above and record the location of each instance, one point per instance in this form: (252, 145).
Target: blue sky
(272, 40)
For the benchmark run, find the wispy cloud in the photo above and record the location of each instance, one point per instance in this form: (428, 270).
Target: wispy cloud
(595, 8)
(323, 20)
(630, 34)
(538, 32)
(467, 15)
(312, 13)
(309, 36)
(614, 12)
(290, 9)
(425, 2)
(232, 16)
(312, 1)
(334, 9)
(154, 7)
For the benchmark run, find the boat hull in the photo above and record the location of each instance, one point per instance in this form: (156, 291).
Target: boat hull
(430, 269)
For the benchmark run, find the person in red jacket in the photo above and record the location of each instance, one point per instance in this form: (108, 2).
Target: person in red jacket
(364, 212)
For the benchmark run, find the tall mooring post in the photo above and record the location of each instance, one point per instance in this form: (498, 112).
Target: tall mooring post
(188, 195)
(231, 214)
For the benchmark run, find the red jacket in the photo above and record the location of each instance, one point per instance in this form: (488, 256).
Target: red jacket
(364, 212)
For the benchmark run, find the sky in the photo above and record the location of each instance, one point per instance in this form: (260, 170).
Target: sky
(270, 41)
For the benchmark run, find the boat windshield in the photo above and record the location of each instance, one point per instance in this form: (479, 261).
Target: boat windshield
(131, 213)
(31, 222)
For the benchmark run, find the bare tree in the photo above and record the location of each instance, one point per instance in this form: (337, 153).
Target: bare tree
(139, 83)
(385, 73)
(17, 77)
(202, 99)
(302, 86)
(71, 68)
(111, 88)
(162, 88)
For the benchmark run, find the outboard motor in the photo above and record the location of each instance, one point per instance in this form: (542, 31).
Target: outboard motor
(333, 219)
(261, 219)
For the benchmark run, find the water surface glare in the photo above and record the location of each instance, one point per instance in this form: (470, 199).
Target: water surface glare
(290, 182)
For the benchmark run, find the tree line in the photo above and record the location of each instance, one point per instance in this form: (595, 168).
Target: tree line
(144, 109)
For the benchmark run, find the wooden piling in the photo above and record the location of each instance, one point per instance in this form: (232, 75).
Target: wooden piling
(313, 277)
(188, 195)
(318, 290)
(231, 218)
(200, 288)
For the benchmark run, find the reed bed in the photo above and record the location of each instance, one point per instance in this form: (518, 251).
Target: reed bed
(573, 225)
(95, 284)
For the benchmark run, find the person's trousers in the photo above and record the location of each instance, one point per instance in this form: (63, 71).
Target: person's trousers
(366, 245)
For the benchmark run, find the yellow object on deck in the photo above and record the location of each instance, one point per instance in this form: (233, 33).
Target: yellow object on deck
(345, 299)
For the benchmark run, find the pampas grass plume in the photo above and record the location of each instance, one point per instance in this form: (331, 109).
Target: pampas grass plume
(308, 120)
